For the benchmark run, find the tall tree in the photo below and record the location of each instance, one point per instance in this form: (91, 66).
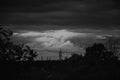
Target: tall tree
(113, 45)
(14, 52)
(98, 52)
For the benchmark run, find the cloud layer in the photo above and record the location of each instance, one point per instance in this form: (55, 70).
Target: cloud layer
(64, 12)
(53, 24)
(52, 41)
(49, 42)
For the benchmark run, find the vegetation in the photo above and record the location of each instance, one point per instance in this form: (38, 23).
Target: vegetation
(98, 52)
(14, 52)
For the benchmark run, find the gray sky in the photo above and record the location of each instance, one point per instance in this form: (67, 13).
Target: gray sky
(62, 12)
(52, 24)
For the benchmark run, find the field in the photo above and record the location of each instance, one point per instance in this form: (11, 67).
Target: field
(59, 70)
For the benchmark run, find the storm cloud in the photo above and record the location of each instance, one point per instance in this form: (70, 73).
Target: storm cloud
(64, 12)
(48, 25)
(49, 42)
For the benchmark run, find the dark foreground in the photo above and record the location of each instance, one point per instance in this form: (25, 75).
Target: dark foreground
(59, 70)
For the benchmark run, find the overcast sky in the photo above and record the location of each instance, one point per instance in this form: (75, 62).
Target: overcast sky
(60, 12)
(38, 22)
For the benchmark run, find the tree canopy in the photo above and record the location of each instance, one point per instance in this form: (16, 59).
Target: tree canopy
(99, 52)
(14, 52)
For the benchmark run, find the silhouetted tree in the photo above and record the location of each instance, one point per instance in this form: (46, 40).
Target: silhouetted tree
(109, 56)
(14, 52)
(113, 45)
(98, 52)
(76, 58)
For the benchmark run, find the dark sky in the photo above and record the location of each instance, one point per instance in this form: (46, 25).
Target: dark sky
(100, 13)
(53, 24)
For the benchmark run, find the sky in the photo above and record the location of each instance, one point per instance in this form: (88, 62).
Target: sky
(48, 25)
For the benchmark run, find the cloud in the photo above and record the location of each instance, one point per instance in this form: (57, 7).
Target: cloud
(103, 36)
(84, 12)
(74, 40)
(51, 39)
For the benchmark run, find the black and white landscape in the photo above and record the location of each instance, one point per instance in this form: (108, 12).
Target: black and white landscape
(60, 39)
